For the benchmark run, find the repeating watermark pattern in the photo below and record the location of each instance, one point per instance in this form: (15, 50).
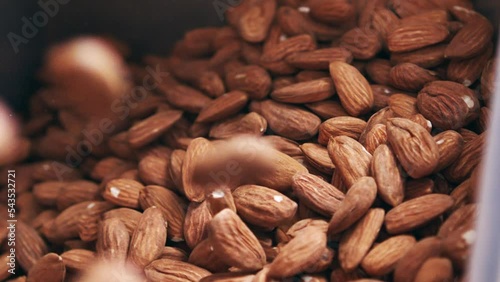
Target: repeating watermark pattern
(31, 26)
(11, 221)
(120, 107)
(221, 6)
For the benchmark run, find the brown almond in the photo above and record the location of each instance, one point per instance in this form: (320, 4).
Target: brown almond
(151, 128)
(408, 266)
(413, 146)
(471, 40)
(350, 158)
(223, 107)
(253, 80)
(450, 144)
(286, 120)
(113, 240)
(410, 77)
(327, 109)
(378, 71)
(318, 157)
(123, 192)
(198, 217)
(448, 105)
(467, 161)
(171, 206)
(198, 147)
(340, 126)
(49, 268)
(363, 43)
(234, 243)
(317, 194)
(435, 269)
(30, 246)
(354, 91)
(356, 203)
(356, 242)
(148, 239)
(412, 36)
(184, 97)
(416, 212)
(375, 137)
(262, 206)
(386, 173)
(319, 59)
(173, 270)
(382, 258)
(251, 123)
(305, 92)
(467, 71)
(426, 57)
(78, 259)
(299, 253)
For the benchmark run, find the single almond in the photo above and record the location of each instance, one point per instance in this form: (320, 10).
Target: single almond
(416, 212)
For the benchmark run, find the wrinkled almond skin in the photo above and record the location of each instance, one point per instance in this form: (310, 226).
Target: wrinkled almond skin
(448, 105)
(363, 43)
(350, 158)
(253, 80)
(305, 92)
(403, 105)
(286, 120)
(413, 146)
(382, 258)
(412, 36)
(340, 126)
(416, 212)
(151, 128)
(471, 39)
(123, 192)
(113, 240)
(251, 123)
(318, 157)
(354, 91)
(356, 242)
(175, 271)
(262, 206)
(325, 200)
(467, 161)
(172, 207)
(426, 57)
(234, 243)
(356, 203)
(450, 144)
(319, 59)
(410, 77)
(223, 107)
(386, 173)
(299, 253)
(148, 239)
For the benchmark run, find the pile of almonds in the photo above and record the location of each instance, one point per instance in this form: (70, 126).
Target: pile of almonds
(307, 140)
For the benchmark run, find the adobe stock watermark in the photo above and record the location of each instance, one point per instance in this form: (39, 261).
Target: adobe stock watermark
(32, 25)
(221, 6)
(120, 107)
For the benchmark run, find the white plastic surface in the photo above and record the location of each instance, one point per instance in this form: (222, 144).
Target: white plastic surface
(485, 263)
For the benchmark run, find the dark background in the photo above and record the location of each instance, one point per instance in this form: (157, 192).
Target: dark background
(147, 25)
